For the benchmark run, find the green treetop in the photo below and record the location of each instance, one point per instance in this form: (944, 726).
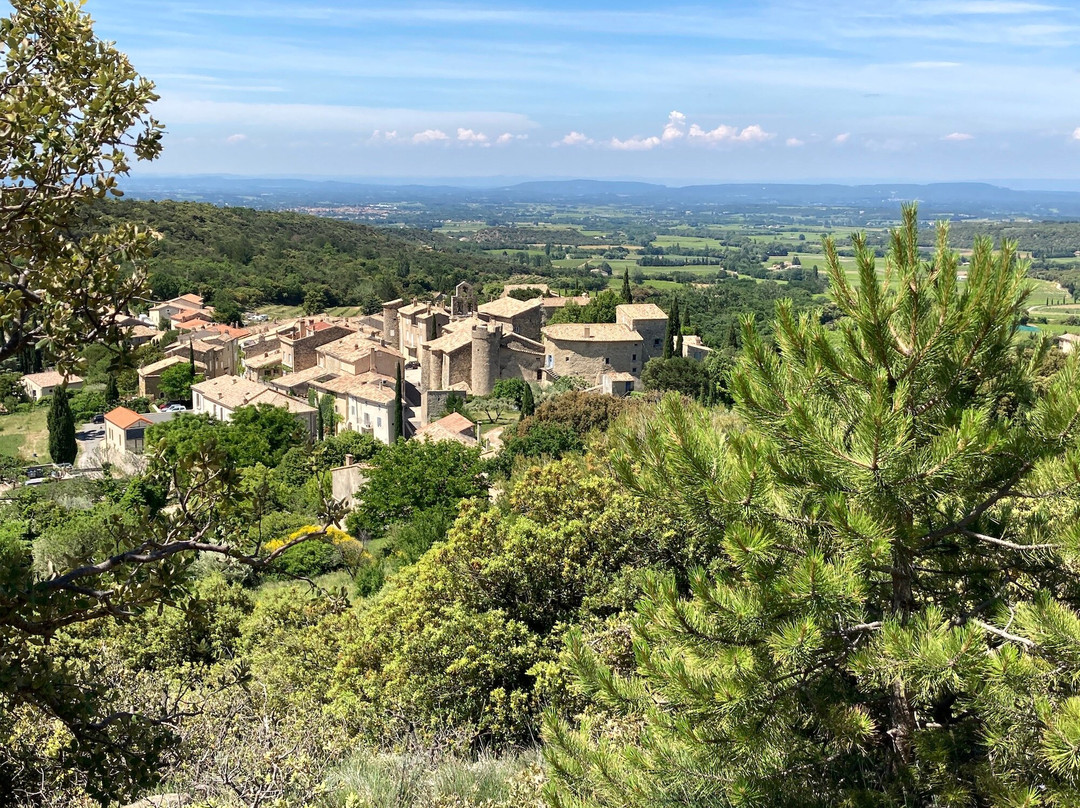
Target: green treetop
(73, 112)
(891, 617)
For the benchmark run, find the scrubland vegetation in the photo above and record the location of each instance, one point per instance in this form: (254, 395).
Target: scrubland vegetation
(849, 578)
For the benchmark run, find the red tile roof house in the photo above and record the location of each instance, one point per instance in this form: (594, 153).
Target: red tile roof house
(125, 430)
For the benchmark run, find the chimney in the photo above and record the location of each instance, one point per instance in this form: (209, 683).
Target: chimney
(586, 332)
(349, 460)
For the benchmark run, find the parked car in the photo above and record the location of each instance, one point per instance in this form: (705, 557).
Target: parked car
(175, 408)
(99, 418)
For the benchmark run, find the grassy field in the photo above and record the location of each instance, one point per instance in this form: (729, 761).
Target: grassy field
(25, 433)
(288, 312)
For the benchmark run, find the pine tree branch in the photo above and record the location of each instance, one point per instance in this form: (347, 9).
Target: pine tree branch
(1007, 544)
(997, 632)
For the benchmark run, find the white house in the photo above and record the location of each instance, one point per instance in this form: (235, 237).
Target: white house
(221, 397)
(371, 410)
(42, 385)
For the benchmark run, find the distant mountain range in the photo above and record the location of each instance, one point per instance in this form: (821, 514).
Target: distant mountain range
(961, 199)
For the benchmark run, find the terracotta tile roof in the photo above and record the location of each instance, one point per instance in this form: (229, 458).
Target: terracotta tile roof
(456, 422)
(591, 332)
(191, 315)
(347, 383)
(125, 418)
(154, 368)
(508, 306)
(558, 302)
(620, 377)
(640, 311)
(189, 298)
(321, 325)
(446, 429)
(230, 330)
(353, 347)
(454, 340)
(302, 377)
(413, 308)
(374, 392)
(268, 359)
(50, 378)
(231, 392)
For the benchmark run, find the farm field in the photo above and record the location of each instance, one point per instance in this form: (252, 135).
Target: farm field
(25, 434)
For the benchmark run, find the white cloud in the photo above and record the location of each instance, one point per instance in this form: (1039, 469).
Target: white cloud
(237, 138)
(841, 138)
(675, 127)
(958, 136)
(507, 137)
(730, 134)
(384, 136)
(635, 143)
(430, 136)
(469, 136)
(1076, 133)
(574, 139)
(793, 141)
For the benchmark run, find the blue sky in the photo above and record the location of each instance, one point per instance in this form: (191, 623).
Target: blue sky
(794, 90)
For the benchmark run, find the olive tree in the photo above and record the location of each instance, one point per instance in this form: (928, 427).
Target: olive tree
(73, 114)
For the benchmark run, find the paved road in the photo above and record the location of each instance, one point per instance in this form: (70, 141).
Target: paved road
(89, 437)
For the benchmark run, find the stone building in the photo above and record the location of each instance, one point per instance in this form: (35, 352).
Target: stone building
(150, 375)
(694, 348)
(521, 316)
(162, 314)
(589, 350)
(355, 354)
(408, 327)
(42, 385)
(298, 342)
(647, 319)
(472, 355)
(216, 354)
(221, 397)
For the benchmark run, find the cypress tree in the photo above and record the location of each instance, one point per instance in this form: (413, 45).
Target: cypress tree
(733, 336)
(892, 614)
(399, 408)
(329, 415)
(673, 328)
(627, 295)
(528, 402)
(112, 392)
(61, 424)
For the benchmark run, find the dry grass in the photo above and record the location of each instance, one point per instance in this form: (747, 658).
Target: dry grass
(25, 433)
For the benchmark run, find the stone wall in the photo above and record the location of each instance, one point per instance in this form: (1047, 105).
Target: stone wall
(589, 359)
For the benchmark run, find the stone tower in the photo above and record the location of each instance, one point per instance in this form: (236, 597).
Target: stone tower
(485, 358)
(391, 323)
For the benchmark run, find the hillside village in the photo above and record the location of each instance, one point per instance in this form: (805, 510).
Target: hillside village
(438, 350)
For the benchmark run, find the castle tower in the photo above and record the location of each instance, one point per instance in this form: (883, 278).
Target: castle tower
(392, 323)
(430, 368)
(485, 358)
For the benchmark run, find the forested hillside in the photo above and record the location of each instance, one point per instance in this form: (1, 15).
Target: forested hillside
(257, 257)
